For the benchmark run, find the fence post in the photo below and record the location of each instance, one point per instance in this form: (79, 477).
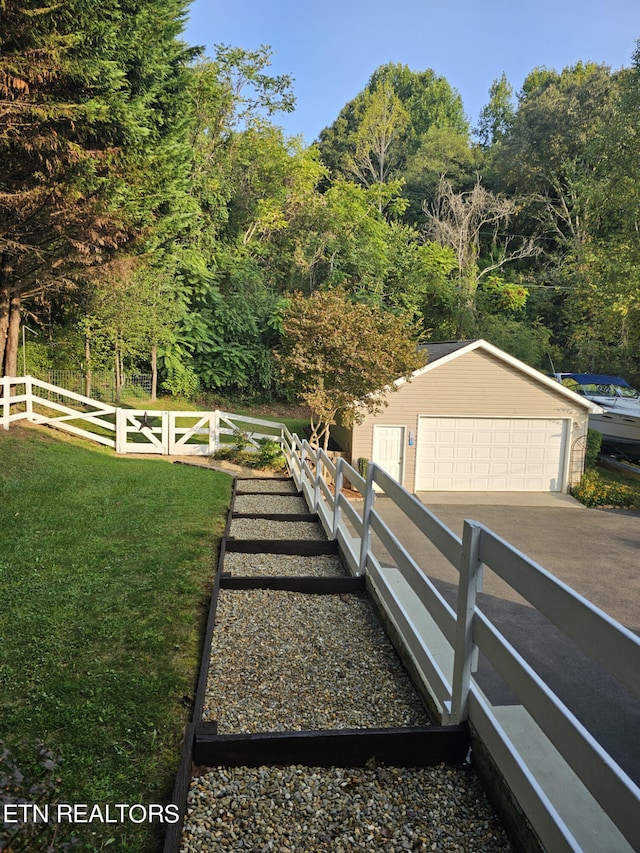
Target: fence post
(369, 499)
(295, 460)
(121, 431)
(214, 433)
(4, 381)
(164, 420)
(336, 503)
(469, 585)
(302, 458)
(28, 390)
(316, 481)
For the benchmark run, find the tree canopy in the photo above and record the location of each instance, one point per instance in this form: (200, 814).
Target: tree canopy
(121, 149)
(91, 143)
(341, 356)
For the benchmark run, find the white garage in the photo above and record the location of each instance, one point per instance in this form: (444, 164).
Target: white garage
(490, 454)
(475, 419)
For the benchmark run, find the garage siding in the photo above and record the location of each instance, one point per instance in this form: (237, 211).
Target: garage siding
(475, 384)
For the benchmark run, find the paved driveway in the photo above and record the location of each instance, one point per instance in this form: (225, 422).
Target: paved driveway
(596, 552)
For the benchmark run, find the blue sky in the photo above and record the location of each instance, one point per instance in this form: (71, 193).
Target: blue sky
(331, 48)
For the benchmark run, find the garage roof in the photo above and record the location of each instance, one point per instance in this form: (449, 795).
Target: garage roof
(441, 352)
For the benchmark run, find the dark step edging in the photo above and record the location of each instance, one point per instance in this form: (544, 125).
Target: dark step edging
(173, 832)
(419, 746)
(298, 583)
(271, 494)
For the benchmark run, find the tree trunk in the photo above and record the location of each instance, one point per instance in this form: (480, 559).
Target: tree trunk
(5, 303)
(325, 438)
(154, 371)
(87, 371)
(13, 337)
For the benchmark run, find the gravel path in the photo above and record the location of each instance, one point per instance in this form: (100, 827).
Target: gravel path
(283, 565)
(317, 810)
(287, 661)
(284, 661)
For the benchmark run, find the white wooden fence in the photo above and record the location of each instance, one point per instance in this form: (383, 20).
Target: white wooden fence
(604, 798)
(128, 430)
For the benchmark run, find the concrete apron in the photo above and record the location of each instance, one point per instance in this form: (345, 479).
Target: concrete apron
(550, 499)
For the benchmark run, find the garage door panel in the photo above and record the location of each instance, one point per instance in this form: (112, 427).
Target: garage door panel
(490, 454)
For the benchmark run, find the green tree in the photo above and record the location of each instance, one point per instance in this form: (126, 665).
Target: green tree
(550, 152)
(429, 99)
(496, 118)
(91, 98)
(424, 101)
(444, 152)
(341, 356)
(605, 305)
(382, 124)
(133, 308)
(254, 189)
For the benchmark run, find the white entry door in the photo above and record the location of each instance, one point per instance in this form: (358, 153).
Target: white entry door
(388, 449)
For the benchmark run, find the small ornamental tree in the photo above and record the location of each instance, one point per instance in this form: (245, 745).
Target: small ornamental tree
(341, 357)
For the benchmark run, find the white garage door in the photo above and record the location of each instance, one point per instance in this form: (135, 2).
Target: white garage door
(490, 454)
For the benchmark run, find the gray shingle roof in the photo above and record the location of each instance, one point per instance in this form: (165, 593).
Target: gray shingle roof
(439, 349)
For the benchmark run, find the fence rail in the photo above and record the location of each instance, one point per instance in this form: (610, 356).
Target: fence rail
(128, 430)
(449, 678)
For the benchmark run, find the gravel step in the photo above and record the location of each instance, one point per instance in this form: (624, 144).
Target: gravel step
(283, 565)
(266, 486)
(314, 810)
(264, 528)
(286, 661)
(270, 504)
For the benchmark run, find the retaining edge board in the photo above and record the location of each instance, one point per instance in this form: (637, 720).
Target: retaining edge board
(420, 746)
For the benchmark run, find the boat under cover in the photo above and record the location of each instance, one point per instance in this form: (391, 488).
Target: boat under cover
(619, 423)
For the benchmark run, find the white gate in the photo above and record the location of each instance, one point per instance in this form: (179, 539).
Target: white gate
(141, 431)
(193, 435)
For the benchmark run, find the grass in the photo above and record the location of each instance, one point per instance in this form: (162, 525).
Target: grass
(105, 566)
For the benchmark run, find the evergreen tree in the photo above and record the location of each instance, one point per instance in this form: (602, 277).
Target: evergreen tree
(91, 154)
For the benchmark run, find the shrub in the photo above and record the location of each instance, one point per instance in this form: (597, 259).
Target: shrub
(362, 465)
(594, 443)
(270, 454)
(181, 381)
(593, 490)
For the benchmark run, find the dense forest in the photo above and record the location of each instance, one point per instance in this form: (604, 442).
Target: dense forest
(153, 215)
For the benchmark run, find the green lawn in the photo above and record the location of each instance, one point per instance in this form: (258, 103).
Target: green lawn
(106, 566)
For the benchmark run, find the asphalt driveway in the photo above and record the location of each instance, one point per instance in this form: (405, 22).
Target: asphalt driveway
(596, 552)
